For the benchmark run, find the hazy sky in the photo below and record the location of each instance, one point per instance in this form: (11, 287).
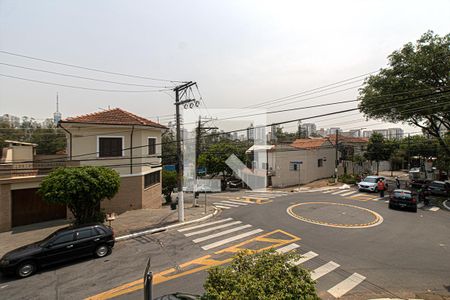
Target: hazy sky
(240, 53)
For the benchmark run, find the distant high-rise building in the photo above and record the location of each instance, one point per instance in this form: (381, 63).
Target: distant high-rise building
(383, 132)
(250, 132)
(309, 129)
(355, 133)
(322, 132)
(333, 130)
(395, 133)
(367, 133)
(57, 114)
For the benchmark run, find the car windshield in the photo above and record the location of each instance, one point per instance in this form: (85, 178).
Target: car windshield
(370, 179)
(402, 194)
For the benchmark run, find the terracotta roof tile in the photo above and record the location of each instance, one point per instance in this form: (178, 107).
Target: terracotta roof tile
(348, 139)
(115, 116)
(308, 143)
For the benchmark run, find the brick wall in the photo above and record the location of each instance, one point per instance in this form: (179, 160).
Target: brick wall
(5, 207)
(129, 196)
(152, 197)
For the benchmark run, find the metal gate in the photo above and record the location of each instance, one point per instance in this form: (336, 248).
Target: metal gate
(28, 208)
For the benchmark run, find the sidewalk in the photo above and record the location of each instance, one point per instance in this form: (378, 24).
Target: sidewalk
(129, 222)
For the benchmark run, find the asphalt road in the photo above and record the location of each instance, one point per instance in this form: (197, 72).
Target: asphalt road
(393, 253)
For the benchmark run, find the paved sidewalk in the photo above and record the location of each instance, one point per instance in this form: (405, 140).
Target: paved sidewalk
(126, 223)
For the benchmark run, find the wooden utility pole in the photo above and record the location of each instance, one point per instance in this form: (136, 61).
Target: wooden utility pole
(177, 91)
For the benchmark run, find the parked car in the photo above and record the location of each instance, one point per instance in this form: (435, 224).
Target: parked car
(369, 183)
(439, 187)
(403, 199)
(63, 245)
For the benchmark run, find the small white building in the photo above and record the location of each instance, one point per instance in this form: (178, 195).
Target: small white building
(303, 161)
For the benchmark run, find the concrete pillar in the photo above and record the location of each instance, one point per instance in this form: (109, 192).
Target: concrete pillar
(5, 207)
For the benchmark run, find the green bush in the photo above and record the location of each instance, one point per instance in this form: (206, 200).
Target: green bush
(265, 275)
(81, 189)
(347, 178)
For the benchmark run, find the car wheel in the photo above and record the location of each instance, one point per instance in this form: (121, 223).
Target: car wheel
(414, 209)
(25, 269)
(390, 206)
(375, 190)
(102, 251)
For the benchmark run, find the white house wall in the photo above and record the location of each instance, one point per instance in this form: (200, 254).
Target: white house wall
(309, 170)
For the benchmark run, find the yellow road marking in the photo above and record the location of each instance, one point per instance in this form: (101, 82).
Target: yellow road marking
(202, 263)
(377, 220)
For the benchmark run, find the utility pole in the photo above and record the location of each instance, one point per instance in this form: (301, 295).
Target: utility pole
(337, 158)
(177, 91)
(409, 155)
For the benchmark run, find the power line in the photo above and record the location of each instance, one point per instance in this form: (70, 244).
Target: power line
(273, 124)
(312, 90)
(82, 77)
(90, 69)
(81, 87)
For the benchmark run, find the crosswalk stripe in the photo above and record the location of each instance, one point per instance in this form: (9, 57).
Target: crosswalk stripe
(234, 202)
(305, 257)
(204, 225)
(211, 236)
(386, 201)
(376, 199)
(227, 204)
(328, 191)
(212, 228)
(346, 285)
(288, 248)
(323, 270)
(434, 208)
(339, 192)
(349, 193)
(231, 239)
(220, 206)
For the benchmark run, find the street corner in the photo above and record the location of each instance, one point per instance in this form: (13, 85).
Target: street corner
(335, 215)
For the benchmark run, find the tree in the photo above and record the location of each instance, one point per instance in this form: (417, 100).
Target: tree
(377, 149)
(265, 275)
(215, 156)
(81, 189)
(169, 148)
(169, 182)
(414, 88)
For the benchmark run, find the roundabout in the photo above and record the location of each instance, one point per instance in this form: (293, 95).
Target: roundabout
(337, 215)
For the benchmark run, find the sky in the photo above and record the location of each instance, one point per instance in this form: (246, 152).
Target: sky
(241, 54)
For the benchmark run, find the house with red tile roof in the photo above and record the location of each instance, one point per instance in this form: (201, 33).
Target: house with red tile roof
(114, 138)
(129, 144)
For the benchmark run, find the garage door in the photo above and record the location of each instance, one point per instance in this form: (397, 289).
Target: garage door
(28, 208)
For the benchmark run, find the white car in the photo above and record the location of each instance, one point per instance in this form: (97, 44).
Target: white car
(369, 183)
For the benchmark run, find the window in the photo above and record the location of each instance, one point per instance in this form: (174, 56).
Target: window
(110, 146)
(151, 146)
(293, 166)
(100, 231)
(64, 238)
(151, 179)
(84, 234)
(320, 162)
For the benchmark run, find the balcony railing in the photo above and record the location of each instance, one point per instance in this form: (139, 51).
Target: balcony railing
(33, 169)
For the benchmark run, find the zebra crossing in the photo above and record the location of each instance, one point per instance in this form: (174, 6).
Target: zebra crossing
(356, 195)
(230, 203)
(228, 233)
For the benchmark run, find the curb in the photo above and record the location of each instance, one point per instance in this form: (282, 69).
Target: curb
(445, 204)
(165, 228)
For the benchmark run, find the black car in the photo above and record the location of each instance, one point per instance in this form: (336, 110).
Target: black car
(63, 245)
(439, 188)
(403, 199)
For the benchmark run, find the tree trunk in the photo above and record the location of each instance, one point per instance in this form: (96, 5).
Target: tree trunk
(378, 167)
